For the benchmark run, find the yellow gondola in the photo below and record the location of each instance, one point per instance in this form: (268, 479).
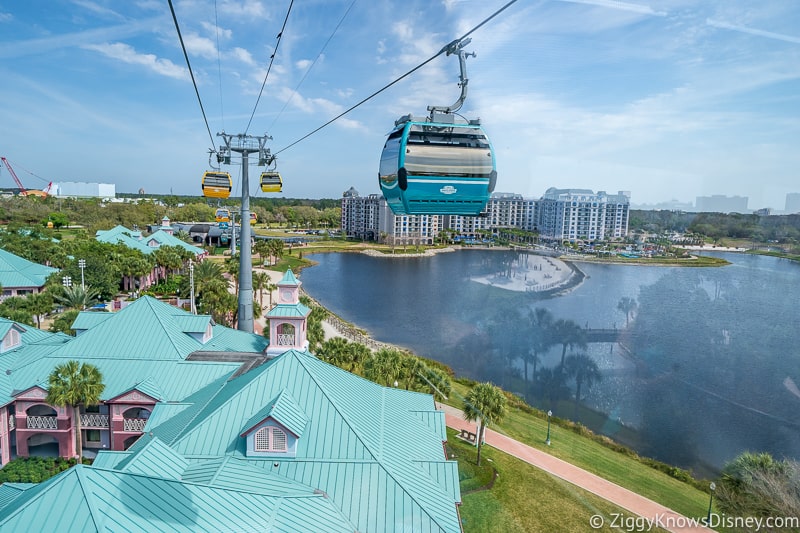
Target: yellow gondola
(253, 218)
(222, 215)
(271, 181)
(217, 184)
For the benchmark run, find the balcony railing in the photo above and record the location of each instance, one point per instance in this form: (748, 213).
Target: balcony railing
(93, 420)
(285, 339)
(133, 424)
(42, 422)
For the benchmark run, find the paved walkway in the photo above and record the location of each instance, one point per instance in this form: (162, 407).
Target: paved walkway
(662, 516)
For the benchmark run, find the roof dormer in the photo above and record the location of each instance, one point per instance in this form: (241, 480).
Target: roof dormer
(11, 337)
(275, 430)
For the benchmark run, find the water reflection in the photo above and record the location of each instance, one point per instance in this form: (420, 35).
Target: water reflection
(704, 366)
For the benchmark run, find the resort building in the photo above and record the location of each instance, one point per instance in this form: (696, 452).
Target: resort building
(582, 215)
(559, 215)
(360, 218)
(237, 436)
(163, 236)
(20, 277)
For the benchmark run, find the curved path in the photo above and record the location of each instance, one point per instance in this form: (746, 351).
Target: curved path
(661, 516)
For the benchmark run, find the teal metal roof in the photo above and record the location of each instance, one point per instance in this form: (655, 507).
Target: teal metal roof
(16, 271)
(193, 323)
(297, 310)
(134, 239)
(235, 473)
(89, 319)
(155, 459)
(289, 279)
(96, 500)
(9, 492)
(358, 434)
(143, 346)
(109, 459)
(284, 410)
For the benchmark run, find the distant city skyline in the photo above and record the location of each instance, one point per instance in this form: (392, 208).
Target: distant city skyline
(666, 98)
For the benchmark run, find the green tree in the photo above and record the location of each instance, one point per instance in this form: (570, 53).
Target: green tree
(76, 297)
(567, 333)
(39, 304)
(757, 485)
(385, 367)
(16, 309)
(627, 305)
(63, 322)
(540, 322)
(74, 384)
(261, 281)
(583, 369)
(486, 404)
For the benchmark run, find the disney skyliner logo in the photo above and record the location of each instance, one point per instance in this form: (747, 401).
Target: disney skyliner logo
(673, 522)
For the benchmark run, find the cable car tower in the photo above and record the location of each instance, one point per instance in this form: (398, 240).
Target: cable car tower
(245, 145)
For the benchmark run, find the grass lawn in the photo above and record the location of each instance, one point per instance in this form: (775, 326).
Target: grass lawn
(523, 498)
(596, 458)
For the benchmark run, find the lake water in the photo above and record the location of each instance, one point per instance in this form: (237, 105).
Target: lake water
(709, 365)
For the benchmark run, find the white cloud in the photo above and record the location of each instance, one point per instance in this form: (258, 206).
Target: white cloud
(200, 46)
(242, 55)
(303, 64)
(753, 31)
(246, 9)
(622, 6)
(216, 31)
(6, 17)
(128, 54)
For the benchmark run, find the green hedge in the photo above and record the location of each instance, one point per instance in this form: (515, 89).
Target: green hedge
(35, 469)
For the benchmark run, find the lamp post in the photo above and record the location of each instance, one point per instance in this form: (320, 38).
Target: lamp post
(191, 284)
(547, 440)
(66, 281)
(713, 487)
(82, 265)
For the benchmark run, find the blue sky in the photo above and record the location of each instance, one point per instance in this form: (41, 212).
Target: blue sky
(668, 99)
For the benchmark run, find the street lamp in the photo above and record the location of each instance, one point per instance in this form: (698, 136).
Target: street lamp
(66, 281)
(547, 440)
(82, 265)
(191, 283)
(713, 487)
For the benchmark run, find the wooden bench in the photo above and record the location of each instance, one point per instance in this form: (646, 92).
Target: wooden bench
(467, 436)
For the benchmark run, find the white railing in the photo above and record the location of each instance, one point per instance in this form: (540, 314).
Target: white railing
(42, 422)
(133, 424)
(12, 423)
(285, 339)
(93, 420)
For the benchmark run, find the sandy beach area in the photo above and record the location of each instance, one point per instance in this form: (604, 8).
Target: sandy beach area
(530, 273)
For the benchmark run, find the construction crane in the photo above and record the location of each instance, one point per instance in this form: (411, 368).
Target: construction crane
(22, 190)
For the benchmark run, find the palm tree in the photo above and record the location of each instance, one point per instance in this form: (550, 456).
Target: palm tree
(40, 304)
(335, 351)
(568, 333)
(541, 323)
(385, 367)
(487, 404)
(76, 297)
(232, 268)
(583, 369)
(74, 384)
(270, 288)
(627, 305)
(261, 281)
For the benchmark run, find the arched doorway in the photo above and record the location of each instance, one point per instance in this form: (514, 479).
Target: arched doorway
(135, 418)
(129, 442)
(286, 334)
(43, 445)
